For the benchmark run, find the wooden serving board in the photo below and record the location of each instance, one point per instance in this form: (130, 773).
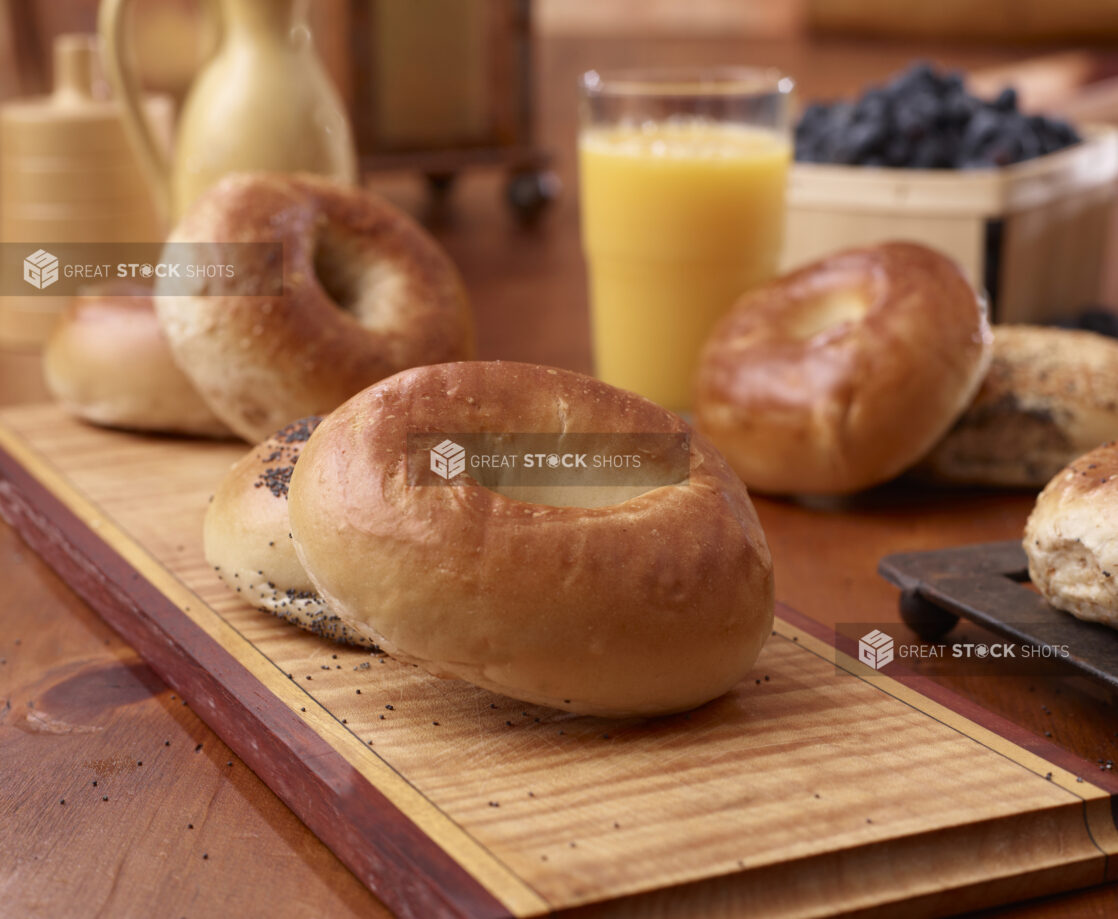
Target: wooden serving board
(815, 787)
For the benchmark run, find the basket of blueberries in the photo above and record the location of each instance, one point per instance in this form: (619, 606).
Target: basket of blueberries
(1021, 200)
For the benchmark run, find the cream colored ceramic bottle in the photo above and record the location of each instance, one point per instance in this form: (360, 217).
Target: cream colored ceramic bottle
(263, 102)
(68, 175)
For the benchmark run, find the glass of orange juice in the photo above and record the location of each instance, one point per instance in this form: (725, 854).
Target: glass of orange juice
(682, 179)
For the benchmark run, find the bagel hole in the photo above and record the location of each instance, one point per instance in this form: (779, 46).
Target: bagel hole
(829, 310)
(567, 489)
(335, 272)
(370, 290)
(572, 495)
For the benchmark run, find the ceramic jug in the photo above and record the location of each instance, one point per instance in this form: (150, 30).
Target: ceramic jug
(262, 102)
(69, 175)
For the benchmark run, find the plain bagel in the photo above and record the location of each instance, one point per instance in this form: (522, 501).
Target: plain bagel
(842, 374)
(366, 292)
(247, 538)
(108, 362)
(651, 605)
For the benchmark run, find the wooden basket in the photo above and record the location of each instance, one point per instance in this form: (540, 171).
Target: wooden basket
(1033, 234)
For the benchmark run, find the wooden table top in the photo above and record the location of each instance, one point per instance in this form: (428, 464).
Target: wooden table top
(198, 834)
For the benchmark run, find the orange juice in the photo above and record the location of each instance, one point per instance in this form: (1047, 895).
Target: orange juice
(679, 218)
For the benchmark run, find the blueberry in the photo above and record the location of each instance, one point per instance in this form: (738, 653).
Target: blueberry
(1006, 100)
(860, 141)
(931, 153)
(981, 129)
(952, 84)
(917, 115)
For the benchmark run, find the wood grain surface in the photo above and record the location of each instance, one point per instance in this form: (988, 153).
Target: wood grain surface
(449, 800)
(132, 856)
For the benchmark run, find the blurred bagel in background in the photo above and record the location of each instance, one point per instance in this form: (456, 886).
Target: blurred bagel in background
(108, 362)
(366, 292)
(842, 374)
(1049, 396)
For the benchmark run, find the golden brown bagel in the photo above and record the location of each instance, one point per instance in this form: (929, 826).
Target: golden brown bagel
(108, 362)
(842, 374)
(1071, 538)
(367, 292)
(247, 537)
(1049, 396)
(655, 604)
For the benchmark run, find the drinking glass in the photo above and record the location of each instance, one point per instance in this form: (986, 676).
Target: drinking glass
(682, 178)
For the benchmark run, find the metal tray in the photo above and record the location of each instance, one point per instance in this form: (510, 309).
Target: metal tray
(987, 584)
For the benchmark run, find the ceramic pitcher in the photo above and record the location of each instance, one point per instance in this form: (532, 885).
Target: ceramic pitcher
(262, 102)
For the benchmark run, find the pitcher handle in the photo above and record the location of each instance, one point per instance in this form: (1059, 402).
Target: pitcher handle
(112, 20)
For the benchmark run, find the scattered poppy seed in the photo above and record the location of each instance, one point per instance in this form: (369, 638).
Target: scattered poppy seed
(205, 855)
(359, 692)
(139, 762)
(382, 717)
(390, 708)
(197, 748)
(1048, 775)
(104, 797)
(62, 801)
(95, 783)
